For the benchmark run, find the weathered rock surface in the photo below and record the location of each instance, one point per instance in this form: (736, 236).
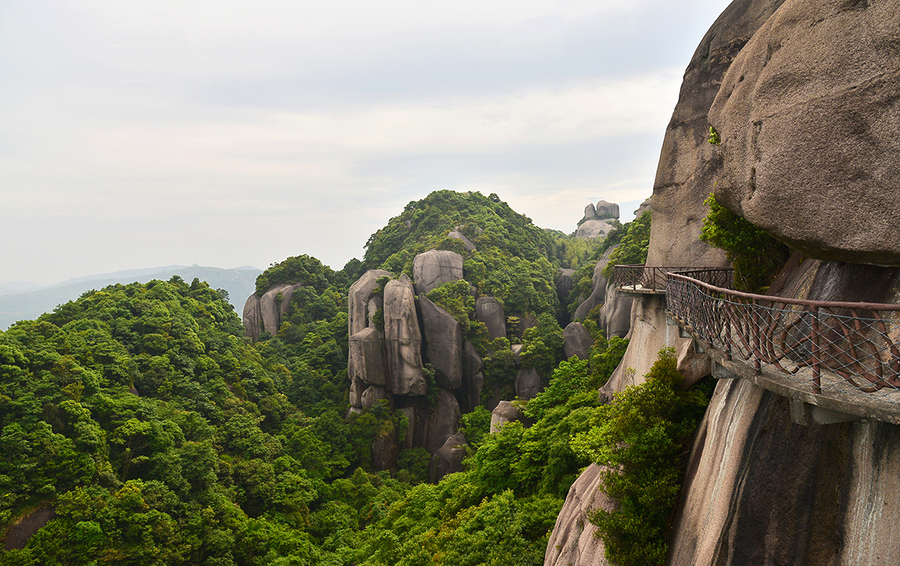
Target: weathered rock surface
(598, 287)
(372, 395)
(434, 268)
(473, 379)
(265, 313)
(528, 383)
(385, 452)
(504, 412)
(448, 458)
(808, 118)
(688, 169)
(594, 228)
(489, 311)
(466, 242)
(574, 539)
(565, 282)
(693, 366)
(444, 343)
(358, 299)
(578, 341)
(366, 358)
(443, 421)
(615, 314)
(252, 318)
(402, 339)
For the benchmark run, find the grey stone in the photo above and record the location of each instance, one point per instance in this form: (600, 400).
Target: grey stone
(466, 242)
(356, 389)
(375, 303)
(366, 358)
(434, 268)
(252, 318)
(358, 299)
(473, 379)
(595, 228)
(410, 414)
(565, 282)
(615, 314)
(443, 421)
(444, 343)
(590, 211)
(528, 383)
(372, 395)
(503, 413)
(578, 341)
(273, 305)
(598, 287)
(517, 354)
(402, 339)
(691, 365)
(574, 540)
(607, 210)
(448, 458)
(808, 119)
(489, 311)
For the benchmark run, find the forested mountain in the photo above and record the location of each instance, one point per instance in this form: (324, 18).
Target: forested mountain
(140, 426)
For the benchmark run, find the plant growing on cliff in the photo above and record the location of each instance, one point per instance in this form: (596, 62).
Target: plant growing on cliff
(755, 254)
(634, 245)
(642, 439)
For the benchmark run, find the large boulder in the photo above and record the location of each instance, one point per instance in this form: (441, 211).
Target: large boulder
(473, 378)
(366, 358)
(606, 210)
(528, 383)
(444, 343)
(489, 311)
(578, 341)
(358, 299)
(565, 282)
(402, 339)
(595, 229)
(598, 287)
(434, 268)
(443, 421)
(574, 540)
(373, 395)
(808, 120)
(615, 314)
(448, 458)
(688, 167)
(504, 412)
(252, 318)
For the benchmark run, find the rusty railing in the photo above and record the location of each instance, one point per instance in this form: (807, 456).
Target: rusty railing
(830, 345)
(648, 278)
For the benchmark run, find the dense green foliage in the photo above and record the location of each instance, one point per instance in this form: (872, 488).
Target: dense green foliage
(633, 247)
(642, 438)
(161, 435)
(755, 255)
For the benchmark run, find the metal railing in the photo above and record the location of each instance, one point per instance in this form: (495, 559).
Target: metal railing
(835, 346)
(649, 278)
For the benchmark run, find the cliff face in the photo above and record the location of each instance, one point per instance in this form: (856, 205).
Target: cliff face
(800, 92)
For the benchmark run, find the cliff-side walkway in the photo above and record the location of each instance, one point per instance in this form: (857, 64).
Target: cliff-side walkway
(838, 356)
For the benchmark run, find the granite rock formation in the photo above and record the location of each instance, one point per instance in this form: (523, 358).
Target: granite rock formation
(402, 338)
(434, 268)
(444, 343)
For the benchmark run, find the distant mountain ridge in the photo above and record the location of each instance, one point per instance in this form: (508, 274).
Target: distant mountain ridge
(27, 301)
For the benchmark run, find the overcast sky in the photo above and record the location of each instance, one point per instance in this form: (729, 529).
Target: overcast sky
(138, 134)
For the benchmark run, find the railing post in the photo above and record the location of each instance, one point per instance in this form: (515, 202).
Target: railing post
(757, 365)
(814, 348)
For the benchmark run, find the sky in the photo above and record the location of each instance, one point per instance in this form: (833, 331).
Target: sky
(226, 134)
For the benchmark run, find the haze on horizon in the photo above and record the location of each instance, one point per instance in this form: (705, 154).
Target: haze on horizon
(229, 134)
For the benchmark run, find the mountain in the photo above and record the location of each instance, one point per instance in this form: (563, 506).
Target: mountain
(27, 301)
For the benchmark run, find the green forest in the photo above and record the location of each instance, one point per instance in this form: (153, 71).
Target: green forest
(154, 432)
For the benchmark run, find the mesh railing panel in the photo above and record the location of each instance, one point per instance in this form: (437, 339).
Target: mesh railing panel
(654, 278)
(824, 345)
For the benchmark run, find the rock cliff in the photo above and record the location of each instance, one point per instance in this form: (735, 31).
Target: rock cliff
(804, 97)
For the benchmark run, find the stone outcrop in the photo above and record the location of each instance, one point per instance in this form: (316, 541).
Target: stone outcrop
(528, 383)
(366, 358)
(434, 268)
(489, 311)
(402, 339)
(443, 421)
(504, 412)
(806, 140)
(264, 314)
(598, 220)
(808, 120)
(615, 312)
(448, 458)
(578, 341)
(470, 247)
(473, 378)
(444, 343)
(565, 282)
(574, 539)
(359, 297)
